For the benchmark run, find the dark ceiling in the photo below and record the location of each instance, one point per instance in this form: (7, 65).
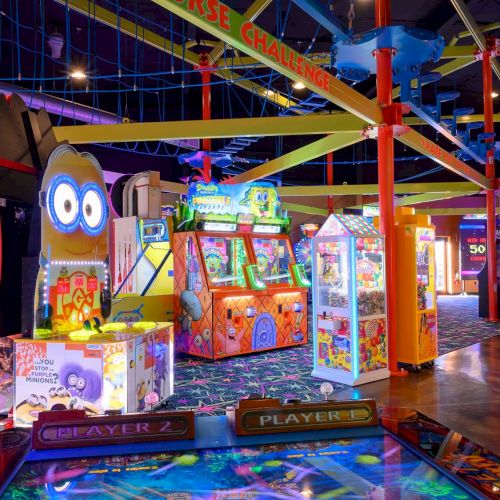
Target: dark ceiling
(133, 80)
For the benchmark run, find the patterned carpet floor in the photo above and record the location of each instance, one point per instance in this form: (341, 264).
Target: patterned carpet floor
(208, 387)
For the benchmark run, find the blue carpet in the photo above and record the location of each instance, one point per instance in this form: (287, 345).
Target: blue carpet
(208, 387)
(459, 324)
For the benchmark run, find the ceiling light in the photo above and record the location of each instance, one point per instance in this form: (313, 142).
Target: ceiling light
(494, 94)
(78, 74)
(268, 93)
(299, 85)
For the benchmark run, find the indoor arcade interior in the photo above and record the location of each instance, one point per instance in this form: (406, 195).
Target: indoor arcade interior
(249, 249)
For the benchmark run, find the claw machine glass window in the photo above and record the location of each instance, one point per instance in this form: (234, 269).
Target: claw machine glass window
(274, 256)
(224, 258)
(425, 267)
(333, 277)
(370, 276)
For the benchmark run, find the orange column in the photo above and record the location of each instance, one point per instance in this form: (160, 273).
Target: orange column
(329, 178)
(490, 193)
(386, 179)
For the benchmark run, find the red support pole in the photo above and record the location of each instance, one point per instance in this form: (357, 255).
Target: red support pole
(490, 193)
(386, 180)
(206, 98)
(329, 178)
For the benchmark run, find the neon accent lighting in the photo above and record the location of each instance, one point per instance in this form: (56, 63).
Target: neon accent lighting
(354, 315)
(63, 203)
(69, 206)
(92, 196)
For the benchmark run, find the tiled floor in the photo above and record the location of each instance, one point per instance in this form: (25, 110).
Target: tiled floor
(211, 386)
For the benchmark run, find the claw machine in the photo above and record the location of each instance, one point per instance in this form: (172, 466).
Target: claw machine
(237, 288)
(349, 316)
(415, 278)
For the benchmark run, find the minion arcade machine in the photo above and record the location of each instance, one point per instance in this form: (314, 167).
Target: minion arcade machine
(74, 359)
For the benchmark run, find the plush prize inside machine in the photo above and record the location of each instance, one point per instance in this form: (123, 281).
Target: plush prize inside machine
(76, 359)
(238, 288)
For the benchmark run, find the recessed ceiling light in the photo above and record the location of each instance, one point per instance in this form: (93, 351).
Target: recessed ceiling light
(494, 94)
(299, 85)
(78, 74)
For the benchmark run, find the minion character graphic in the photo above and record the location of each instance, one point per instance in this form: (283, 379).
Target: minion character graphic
(73, 284)
(262, 200)
(115, 370)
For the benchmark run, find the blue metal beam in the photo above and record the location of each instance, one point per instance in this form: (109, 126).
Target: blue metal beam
(444, 131)
(327, 19)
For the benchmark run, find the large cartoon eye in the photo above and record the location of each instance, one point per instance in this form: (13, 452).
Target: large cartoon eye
(258, 196)
(265, 195)
(62, 391)
(72, 379)
(94, 209)
(32, 400)
(63, 203)
(197, 341)
(52, 392)
(80, 383)
(43, 401)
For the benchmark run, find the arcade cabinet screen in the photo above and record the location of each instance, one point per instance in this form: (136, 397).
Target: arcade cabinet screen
(224, 257)
(273, 256)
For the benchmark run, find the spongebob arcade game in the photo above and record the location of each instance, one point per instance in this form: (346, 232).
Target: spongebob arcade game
(75, 359)
(237, 286)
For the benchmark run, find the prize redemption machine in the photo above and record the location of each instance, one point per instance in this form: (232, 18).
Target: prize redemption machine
(349, 320)
(238, 288)
(415, 279)
(143, 277)
(75, 359)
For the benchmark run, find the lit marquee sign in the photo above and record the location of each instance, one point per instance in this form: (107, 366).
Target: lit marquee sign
(472, 249)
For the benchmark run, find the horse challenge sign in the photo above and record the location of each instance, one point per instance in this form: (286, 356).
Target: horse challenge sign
(221, 21)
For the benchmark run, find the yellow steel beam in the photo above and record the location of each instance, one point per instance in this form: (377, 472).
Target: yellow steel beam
(367, 189)
(415, 199)
(429, 148)
(466, 34)
(305, 153)
(305, 209)
(232, 28)
(453, 211)
(471, 25)
(110, 19)
(458, 51)
(250, 15)
(313, 124)
(428, 197)
(212, 129)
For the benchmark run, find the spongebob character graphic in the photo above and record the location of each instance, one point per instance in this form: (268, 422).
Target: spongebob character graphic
(262, 201)
(231, 341)
(192, 311)
(73, 281)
